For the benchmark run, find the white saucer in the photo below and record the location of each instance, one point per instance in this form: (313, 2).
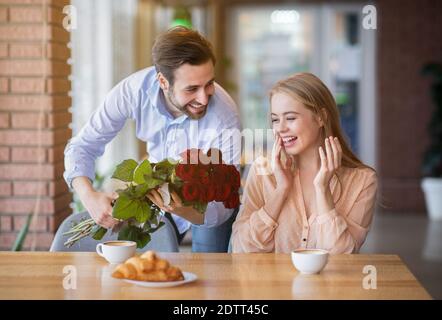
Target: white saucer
(188, 277)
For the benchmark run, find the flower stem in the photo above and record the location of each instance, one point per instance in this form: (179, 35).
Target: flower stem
(79, 231)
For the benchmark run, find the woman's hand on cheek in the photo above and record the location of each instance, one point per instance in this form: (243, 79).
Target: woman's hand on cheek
(282, 171)
(330, 162)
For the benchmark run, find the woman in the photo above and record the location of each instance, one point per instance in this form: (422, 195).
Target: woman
(318, 194)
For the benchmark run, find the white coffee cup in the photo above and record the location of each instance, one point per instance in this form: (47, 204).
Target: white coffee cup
(116, 251)
(309, 261)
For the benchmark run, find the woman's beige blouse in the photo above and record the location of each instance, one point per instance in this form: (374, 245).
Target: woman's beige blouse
(342, 230)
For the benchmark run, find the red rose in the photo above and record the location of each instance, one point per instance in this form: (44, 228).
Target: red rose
(186, 172)
(180, 171)
(222, 192)
(203, 174)
(220, 173)
(232, 202)
(191, 191)
(234, 177)
(208, 193)
(214, 179)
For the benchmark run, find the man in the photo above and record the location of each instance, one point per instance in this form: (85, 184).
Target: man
(176, 105)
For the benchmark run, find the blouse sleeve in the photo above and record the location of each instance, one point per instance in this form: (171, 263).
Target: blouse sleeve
(340, 233)
(254, 229)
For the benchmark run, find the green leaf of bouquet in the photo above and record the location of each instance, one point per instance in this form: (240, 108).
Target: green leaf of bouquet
(143, 211)
(130, 192)
(128, 233)
(125, 170)
(143, 240)
(124, 207)
(153, 183)
(144, 168)
(160, 175)
(98, 232)
(164, 169)
(141, 190)
(165, 165)
(133, 233)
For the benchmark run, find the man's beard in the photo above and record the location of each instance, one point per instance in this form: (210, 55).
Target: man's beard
(183, 109)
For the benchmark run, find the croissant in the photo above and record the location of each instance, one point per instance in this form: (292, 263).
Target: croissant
(147, 267)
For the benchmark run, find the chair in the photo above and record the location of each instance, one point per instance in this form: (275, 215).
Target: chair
(214, 239)
(163, 240)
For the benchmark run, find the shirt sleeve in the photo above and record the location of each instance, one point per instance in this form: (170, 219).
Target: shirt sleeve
(339, 233)
(104, 124)
(254, 229)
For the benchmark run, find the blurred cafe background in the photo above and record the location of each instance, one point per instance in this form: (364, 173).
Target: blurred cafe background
(386, 80)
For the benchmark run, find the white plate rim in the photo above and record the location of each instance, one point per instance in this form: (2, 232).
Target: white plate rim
(188, 277)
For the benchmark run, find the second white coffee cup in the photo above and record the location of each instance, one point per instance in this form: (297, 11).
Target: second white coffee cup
(116, 251)
(310, 261)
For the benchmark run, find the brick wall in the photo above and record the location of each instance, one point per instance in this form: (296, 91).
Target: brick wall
(34, 88)
(409, 35)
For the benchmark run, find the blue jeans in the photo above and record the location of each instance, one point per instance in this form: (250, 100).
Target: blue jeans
(215, 239)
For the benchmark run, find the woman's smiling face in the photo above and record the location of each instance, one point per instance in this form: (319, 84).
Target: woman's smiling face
(298, 127)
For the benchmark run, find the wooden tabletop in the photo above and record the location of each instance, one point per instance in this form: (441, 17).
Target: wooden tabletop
(39, 275)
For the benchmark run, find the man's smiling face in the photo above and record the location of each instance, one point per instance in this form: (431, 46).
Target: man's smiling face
(192, 89)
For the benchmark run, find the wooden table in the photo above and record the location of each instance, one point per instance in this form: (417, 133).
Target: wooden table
(39, 275)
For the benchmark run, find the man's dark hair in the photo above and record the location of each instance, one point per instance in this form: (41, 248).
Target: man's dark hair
(177, 46)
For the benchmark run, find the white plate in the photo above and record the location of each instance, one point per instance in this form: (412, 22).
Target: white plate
(188, 277)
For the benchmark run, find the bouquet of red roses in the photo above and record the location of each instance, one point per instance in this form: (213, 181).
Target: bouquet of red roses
(199, 178)
(206, 178)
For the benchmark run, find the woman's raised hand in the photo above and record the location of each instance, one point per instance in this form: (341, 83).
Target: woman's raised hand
(282, 165)
(330, 162)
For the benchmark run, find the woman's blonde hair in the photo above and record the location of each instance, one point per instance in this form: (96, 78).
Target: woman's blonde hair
(315, 96)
